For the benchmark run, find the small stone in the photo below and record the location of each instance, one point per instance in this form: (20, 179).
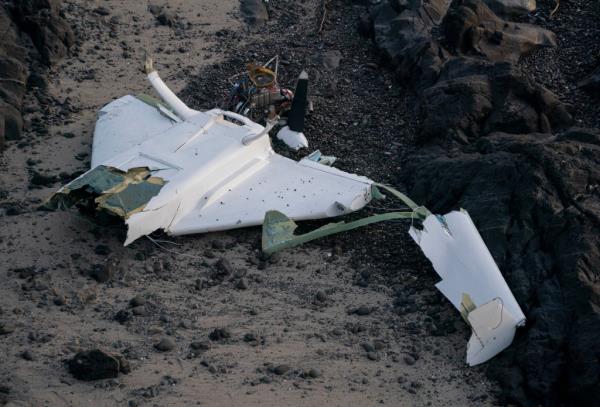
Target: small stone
(219, 334)
(155, 330)
(281, 369)
(137, 301)
(102, 11)
(372, 356)
(166, 344)
(166, 18)
(27, 355)
(200, 345)
(321, 296)
(224, 266)
(94, 365)
(122, 316)
(124, 366)
(59, 300)
(250, 337)
(314, 373)
(368, 347)
(6, 328)
(103, 272)
(409, 360)
(139, 310)
(242, 284)
(362, 310)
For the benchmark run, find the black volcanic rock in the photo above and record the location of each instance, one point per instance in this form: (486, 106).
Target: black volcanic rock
(51, 36)
(406, 43)
(491, 142)
(13, 71)
(471, 28)
(96, 364)
(49, 31)
(477, 97)
(535, 202)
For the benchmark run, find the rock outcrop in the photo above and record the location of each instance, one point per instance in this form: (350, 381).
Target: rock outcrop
(48, 30)
(474, 97)
(535, 199)
(512, 7)
(496, 143)
(34, 35)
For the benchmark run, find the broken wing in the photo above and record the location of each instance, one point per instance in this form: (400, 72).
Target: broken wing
(301, 189)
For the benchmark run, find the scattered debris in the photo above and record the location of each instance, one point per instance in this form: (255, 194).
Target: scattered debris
(471, 279)
(256, 94)
(211, 193)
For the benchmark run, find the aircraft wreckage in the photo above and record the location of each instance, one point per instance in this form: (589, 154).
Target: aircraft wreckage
(161, 165)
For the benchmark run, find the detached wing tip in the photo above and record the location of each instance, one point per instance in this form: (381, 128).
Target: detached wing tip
(493, 330)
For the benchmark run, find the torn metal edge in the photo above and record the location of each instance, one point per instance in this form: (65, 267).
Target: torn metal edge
(109, 189)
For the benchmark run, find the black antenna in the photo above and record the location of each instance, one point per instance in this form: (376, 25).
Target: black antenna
(297, 113)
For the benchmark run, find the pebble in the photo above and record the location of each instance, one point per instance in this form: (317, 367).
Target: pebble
(27, 355)
(409, 360)
(166, 344)
(200, 345)
(122, 316)
(281, 369)
(224, 265)
(103, 272)
(137, 301)
(219, 333)
(362, 310)
(139, 310)
(6, 328)
(372, 356)
(102, 11)
(59, 300)
(321, 296)
(314, 373)
(155, 330)
(242, 284)
(368, 347)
